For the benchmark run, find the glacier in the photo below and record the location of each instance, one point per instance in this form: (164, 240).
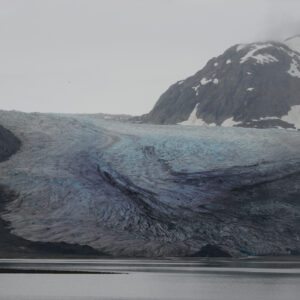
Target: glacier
(152, 190)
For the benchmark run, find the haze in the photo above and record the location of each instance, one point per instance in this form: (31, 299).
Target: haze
(119, 56)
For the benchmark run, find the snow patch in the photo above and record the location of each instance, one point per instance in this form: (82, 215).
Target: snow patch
(230, 122)
(193, 120)
(249, 73)
(265, 118)
(250, 89)
(269, 118)
(289, 52)
(240, 47)
(260, 58)
(293, 116)
(205, 81)
(196, 89)
(294, 71)
(228, 61)
(265, 58)
(216, 64)
(180, 82)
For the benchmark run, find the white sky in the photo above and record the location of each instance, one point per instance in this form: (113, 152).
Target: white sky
(119, 56)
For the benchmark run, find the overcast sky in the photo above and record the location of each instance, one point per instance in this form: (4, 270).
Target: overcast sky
(119, 56)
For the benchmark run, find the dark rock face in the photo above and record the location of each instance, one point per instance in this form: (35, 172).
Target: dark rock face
(255, 85)
(9, 144)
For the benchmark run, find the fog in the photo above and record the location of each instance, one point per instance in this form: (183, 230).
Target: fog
(119, 56)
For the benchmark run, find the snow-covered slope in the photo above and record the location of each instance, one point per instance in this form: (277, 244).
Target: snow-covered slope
(129, 189)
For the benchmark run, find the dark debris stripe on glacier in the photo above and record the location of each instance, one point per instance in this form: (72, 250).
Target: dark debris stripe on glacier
(148, 190)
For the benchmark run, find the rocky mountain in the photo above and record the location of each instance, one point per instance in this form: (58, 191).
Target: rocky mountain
(83, 184)
(249, 85)
(9, 143)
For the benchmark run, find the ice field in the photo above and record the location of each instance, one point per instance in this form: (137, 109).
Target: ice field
(137, 189)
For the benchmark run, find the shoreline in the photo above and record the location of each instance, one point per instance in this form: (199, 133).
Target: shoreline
(43, 271)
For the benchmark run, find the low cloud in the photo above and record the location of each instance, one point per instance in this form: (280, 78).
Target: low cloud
(282, 20)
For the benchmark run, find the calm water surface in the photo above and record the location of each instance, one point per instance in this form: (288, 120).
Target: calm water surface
(153, 280)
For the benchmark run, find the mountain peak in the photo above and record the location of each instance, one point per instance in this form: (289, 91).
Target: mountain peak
(249, 85)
